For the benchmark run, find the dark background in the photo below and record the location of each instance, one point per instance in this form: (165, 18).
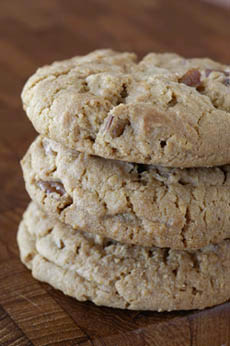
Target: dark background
(34, 33)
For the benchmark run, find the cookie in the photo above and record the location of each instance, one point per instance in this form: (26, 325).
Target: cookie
(163, 110)
(109, 273)
(131, 203)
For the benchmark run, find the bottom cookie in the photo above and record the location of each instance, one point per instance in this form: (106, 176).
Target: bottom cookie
(110, 273)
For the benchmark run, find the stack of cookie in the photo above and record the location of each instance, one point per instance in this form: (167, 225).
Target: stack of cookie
(131, 201)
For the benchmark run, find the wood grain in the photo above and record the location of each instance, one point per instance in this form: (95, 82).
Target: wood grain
(35, 33)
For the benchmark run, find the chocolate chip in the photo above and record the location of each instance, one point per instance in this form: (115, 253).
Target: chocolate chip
(191, 78)
(51, 187)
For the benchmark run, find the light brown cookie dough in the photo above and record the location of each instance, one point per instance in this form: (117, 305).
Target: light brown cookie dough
(109, 273)
(164, 110)
(132, 203)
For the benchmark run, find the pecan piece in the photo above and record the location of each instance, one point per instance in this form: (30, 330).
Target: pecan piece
(51, 187)
(191, 78)
(119, 127)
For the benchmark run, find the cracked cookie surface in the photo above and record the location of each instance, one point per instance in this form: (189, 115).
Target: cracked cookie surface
(110, 273)
(164, 110)
(132, 203)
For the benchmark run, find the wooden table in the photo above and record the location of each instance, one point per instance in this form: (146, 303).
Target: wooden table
(33, 33)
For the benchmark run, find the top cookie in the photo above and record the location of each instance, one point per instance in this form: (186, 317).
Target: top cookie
(164, 110)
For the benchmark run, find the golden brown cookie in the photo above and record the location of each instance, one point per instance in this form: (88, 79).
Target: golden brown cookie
(132, 203)
(164, 110)
(109, 273)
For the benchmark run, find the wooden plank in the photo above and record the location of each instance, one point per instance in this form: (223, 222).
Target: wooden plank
(33, 310)
(106, 326)
(211, 324)
(10, 333)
